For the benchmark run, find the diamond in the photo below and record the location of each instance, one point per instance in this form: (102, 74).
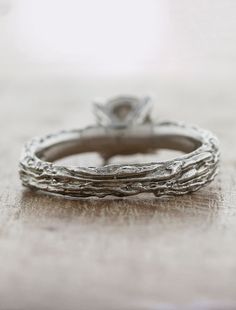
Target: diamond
(123, 111)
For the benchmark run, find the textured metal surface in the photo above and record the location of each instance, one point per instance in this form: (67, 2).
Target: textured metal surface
(174, 177)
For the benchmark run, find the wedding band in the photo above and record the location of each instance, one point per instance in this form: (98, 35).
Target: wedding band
(124, 127)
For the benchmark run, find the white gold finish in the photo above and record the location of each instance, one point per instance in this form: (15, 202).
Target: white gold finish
(124, 127)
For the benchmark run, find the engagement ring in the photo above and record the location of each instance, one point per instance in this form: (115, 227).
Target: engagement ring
(124, 127)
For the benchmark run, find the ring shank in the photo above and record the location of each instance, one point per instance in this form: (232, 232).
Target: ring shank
(178, 176)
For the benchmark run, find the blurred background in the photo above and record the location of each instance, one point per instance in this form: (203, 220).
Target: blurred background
(58, 54)
(183, 38)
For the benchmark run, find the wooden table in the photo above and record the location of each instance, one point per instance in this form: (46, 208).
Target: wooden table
(135, 253)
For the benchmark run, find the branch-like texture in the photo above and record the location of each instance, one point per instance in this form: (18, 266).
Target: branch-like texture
(179, 176)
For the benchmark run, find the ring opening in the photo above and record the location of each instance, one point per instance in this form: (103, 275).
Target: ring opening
(109, 146)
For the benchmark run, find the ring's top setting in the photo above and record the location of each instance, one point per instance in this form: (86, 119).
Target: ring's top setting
(123, 111)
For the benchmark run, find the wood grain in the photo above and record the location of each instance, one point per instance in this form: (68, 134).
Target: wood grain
(131, 253)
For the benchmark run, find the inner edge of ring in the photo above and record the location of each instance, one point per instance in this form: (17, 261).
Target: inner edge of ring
(108, 146)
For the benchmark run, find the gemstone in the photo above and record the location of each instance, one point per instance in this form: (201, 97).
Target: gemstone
(123, 111)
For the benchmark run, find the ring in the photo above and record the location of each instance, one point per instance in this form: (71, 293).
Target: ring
(124, 127)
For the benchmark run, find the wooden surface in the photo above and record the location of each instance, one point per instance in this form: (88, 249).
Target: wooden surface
(136, 253)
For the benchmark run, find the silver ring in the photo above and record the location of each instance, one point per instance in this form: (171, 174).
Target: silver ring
(124, 126)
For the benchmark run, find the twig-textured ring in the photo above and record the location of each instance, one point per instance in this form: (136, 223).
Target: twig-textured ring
(124, 127)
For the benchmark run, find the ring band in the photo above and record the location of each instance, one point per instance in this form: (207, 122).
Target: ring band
(124, 127)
